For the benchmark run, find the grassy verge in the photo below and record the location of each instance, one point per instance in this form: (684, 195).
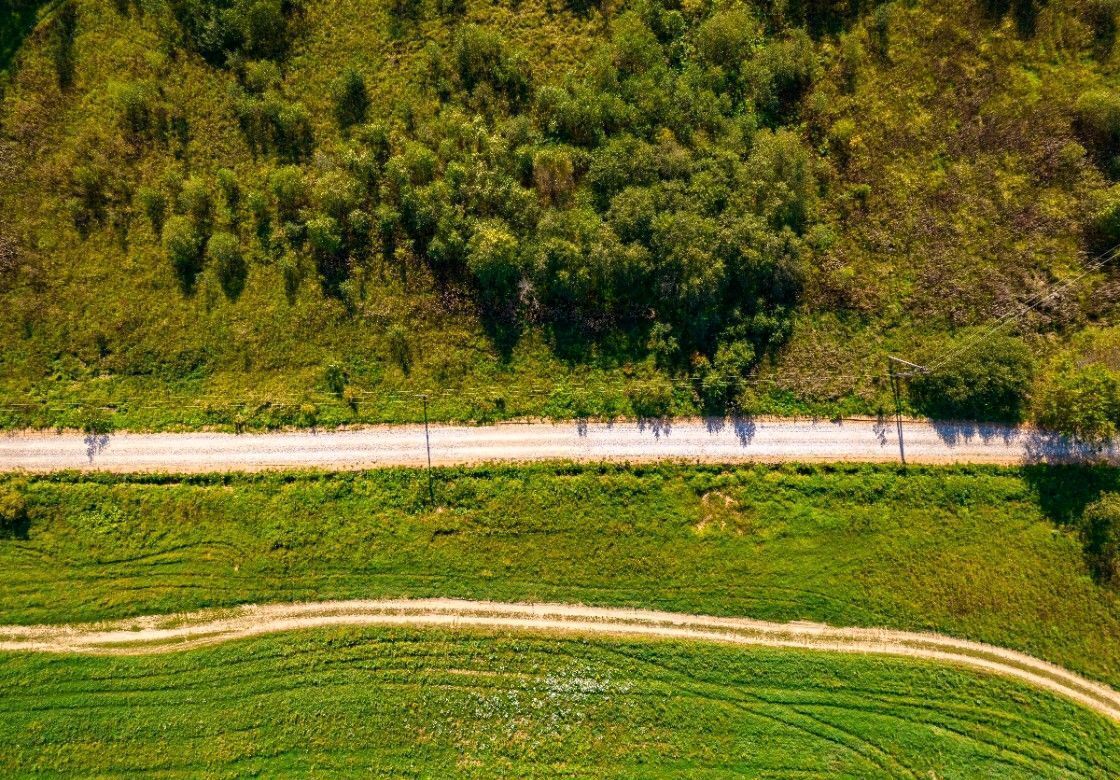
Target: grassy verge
(985, 554)
(411, 703)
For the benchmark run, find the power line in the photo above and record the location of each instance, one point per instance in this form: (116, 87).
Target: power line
(1026, 307)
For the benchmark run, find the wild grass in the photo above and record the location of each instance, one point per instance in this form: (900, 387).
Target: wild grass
(464, 704)
(985, 554)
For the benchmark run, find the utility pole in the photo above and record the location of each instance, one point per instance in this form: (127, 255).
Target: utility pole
(428, 446)
(891, 360)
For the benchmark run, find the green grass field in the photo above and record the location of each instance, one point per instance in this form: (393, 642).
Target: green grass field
(430, 704)
(983, 554)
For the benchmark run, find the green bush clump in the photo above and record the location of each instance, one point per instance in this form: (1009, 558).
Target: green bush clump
(988, 381)
(154, 205)
(1101, 529)
(224, 251)
(13, 512)
(1082, 402)
(220, 29)
(1097, 121)
(184, 246)
(351, 100)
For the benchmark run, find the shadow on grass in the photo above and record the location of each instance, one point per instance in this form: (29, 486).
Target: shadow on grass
(1064, 491)
(17, 19)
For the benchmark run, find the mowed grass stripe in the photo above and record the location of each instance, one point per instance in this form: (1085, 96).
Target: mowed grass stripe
(471, 704)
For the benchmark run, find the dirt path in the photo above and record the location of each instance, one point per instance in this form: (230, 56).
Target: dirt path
(710, 440)
(170, 633)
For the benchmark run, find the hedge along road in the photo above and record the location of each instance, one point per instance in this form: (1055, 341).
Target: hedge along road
(703, 440)
(185, 631)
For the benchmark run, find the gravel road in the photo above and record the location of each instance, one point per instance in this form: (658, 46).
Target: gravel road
(162, 634)
(711, 440)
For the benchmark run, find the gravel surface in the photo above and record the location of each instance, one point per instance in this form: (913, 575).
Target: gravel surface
(170, 633)
(724, 441)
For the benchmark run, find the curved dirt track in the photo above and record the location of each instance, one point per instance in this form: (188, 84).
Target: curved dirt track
(170, 633)
(713, 440)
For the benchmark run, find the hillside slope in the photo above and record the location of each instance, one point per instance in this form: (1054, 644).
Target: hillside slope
(257, 213)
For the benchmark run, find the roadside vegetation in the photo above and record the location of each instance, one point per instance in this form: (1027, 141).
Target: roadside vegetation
(1010, 557)
(254, 214)
(468, 705)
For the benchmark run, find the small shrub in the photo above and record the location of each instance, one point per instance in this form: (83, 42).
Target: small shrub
(351, 100)
(196, 203)
(224, 251)
(184, 249)
(1101, 18)
(851, 62)
(879, 32)
(553, 174)
(62, 50)
(231, 192)
(290, 190)
(1100, 527)
(399, 349)
(407, 9)
(13, 512)
(726, 37)
(154, 204)
(336, 379)
(492, 256)
(1097, 121)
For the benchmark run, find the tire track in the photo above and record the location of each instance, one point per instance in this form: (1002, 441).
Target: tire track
(162, 634)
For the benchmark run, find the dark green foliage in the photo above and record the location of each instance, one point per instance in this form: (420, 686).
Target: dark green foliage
(290, 192)
(1101, 17)
(1082, 402)
(1101, 528)
(196, 202)
(64, 30)
(454, 8)
(1102, 229)
(325, 239)
(336, 379)
(13, 512)
(275, 125)
(492, 256)
(782, 75)
(1023, 12)
(651, 398)
(351, 100)
(215, 29)
(1097, 121)
(17, 19)
(483, 58)
(410, 10)
(224, 251)
(231, 193)
(154, 205)
(90, 199)
(184, 246)
(726, 38)
(879, 32)
(988, 381)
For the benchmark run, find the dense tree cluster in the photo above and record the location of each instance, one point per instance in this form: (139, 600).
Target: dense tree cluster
(656, 193)
(219, 29)
(660, 195)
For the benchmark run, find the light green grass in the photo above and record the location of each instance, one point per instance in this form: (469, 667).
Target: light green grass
(407, 703)
(983, 554)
